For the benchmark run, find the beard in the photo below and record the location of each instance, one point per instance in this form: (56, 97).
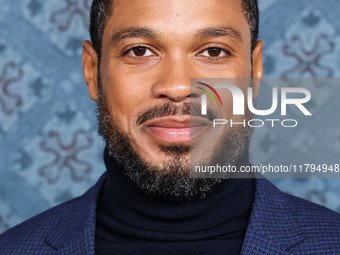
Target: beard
(172, 179)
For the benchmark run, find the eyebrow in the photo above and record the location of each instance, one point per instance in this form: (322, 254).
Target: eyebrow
(142, 32)
(133, 32)
(219, 32)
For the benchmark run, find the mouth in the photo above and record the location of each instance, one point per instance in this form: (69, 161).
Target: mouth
(176, 129)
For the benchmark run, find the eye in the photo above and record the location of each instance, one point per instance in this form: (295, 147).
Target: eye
(214, 52)
(140, 51)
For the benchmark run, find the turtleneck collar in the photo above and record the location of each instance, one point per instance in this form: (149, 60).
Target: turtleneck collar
(127, 213)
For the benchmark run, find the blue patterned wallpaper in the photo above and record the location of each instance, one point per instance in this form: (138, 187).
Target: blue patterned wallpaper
(49, 149)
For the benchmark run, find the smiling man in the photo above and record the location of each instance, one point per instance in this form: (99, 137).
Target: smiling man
(139, 73)
(138, 68)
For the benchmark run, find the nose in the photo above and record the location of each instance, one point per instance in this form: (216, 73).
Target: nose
(173, 82)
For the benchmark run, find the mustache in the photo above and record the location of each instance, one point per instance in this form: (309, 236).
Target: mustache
(172, 109)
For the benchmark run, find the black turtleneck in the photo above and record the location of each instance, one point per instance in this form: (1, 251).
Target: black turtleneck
(131, 222)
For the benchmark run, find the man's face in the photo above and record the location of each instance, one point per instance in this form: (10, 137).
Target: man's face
(150, 50)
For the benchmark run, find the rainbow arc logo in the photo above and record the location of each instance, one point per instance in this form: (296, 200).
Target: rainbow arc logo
(209, 93)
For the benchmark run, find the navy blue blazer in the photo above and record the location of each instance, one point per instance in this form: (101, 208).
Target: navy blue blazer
(279, 224)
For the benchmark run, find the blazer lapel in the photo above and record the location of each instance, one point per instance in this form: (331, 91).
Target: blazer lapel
(259, 244)
(273, 227)
(75, 232)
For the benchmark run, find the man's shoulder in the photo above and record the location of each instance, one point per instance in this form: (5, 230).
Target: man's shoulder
(40, 233)
(307, 213)
(315, 218)
(297, 225)
(32, 232)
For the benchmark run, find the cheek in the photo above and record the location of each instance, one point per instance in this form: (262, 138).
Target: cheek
(242, 69)
(126, 95)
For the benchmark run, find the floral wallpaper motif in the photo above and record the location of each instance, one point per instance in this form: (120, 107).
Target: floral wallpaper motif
(49, 149)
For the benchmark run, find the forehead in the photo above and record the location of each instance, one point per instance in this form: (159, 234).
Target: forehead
(177, 18)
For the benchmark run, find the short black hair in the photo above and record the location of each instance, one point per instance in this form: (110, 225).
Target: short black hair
(101, 11)
(251, 12)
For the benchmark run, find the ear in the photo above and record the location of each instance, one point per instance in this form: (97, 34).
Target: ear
(257, 67)
(90, 69)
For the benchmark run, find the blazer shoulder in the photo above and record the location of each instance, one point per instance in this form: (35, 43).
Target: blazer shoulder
(32, 232)
(320, 225)
(310, 216)
(43, 232)
(315, 218)
(294, 224)
(303, 210)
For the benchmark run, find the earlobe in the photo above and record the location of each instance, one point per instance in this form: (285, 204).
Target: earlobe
(90, 69)
(257, 67)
